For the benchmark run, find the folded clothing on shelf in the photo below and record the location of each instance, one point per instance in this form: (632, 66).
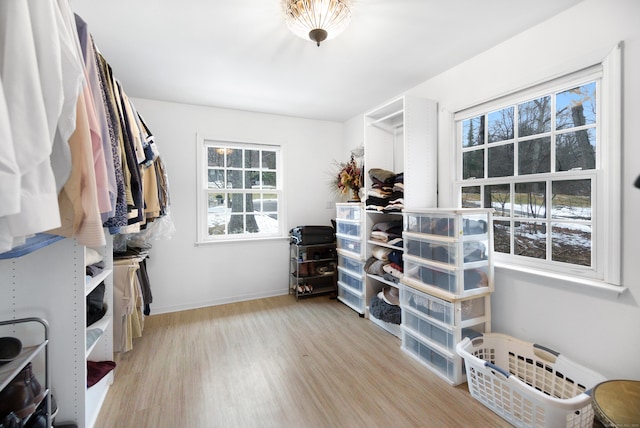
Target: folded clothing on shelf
(96, 370)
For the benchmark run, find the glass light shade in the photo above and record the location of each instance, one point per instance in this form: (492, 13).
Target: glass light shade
(317, 20)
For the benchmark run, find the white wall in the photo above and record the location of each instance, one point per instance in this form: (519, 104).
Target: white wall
(599, 330)
(353, 134)
(184, 275)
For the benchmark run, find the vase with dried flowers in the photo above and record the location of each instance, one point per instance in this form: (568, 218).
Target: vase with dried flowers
(349, 178)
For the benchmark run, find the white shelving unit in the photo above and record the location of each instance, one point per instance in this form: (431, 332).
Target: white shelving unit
(101, 349)
(401, 137)
(50, 283)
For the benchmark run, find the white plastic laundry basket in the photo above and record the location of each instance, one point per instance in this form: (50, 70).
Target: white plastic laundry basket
(527, 384)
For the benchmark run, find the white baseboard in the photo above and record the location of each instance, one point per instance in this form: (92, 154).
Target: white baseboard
(155, 310)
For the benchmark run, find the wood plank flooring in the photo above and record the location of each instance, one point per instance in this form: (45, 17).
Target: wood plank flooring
(279, 363)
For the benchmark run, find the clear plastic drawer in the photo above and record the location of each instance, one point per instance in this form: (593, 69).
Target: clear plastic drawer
(354, 300)
(449, 252)
(354, 266)
(456, 313)
(450, 223)
(347, 227)
(447, 366)
(457, 282)
(350, 279)
(348, 211)
(447, 337)
(349, 243)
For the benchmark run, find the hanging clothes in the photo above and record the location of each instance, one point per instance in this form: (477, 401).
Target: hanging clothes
(119, 218)
(27, 115)
(102, 152)
(75, 154)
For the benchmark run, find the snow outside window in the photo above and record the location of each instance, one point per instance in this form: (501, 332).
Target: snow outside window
(240, 191)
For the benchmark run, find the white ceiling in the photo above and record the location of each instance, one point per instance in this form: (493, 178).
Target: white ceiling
(239, 53)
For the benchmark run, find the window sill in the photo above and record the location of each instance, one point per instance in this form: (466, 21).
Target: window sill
(240, 240)
(595, 285)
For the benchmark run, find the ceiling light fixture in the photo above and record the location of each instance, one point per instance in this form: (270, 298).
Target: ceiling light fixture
(318, 20)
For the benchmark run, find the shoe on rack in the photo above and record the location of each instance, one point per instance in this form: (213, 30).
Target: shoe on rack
(42, 407)
(303, 269)
(30, 379)
(17, 397)
(10, 348)
(39, 418)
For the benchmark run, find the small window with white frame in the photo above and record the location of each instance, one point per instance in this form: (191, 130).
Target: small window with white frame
(543, 161)
(240, 191)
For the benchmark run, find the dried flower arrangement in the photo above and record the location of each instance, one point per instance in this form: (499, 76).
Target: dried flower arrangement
(348, 177)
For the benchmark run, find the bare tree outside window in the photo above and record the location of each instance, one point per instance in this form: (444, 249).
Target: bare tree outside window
(520, 141)
(471, 197)
(242, 196)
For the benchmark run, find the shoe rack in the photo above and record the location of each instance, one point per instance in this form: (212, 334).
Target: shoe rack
(24, 393)
(312, 269)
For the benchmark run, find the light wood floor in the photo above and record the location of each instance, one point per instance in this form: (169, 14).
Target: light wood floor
(279, 363)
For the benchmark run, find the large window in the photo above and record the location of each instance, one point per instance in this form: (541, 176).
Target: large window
(241, 192)
(536, 158)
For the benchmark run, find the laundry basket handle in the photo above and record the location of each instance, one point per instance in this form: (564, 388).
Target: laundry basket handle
(500, 370)
(545, 353)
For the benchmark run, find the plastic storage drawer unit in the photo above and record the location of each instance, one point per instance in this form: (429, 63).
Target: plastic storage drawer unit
(459, 313)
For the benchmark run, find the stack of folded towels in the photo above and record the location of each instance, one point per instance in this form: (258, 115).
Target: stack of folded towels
(387, 191)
